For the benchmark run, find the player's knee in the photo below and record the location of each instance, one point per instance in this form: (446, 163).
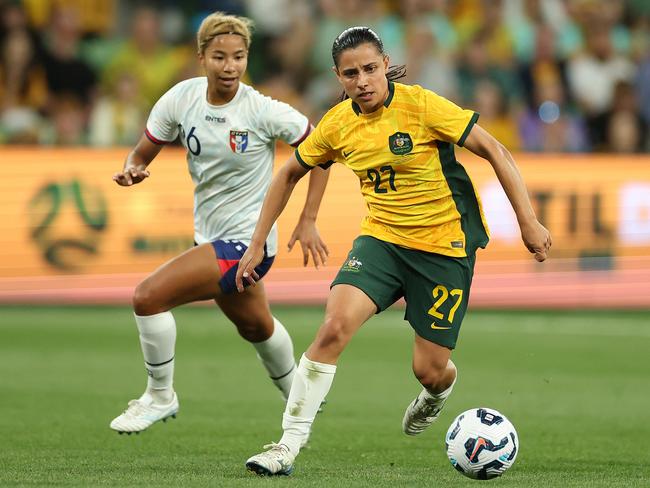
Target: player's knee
(145, 301)
(255, 330)
(334, 333)
(432, 377)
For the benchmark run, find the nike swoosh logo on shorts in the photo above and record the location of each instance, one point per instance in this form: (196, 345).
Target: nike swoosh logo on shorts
(436, 327)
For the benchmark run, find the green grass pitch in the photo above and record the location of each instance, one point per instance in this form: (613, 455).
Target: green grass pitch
(576, 385)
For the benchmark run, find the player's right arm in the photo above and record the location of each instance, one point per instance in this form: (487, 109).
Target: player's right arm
(276, 199)
(135, 166)
(161, 128)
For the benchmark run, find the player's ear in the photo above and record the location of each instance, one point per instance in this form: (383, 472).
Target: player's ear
(386, 61)
(338, 75)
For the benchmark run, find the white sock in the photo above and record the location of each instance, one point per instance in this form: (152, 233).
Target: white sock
(310, 385)
(158, 340)
(276, 354)
(441, 397)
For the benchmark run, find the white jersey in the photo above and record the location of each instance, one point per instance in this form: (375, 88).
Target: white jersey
(230, 153)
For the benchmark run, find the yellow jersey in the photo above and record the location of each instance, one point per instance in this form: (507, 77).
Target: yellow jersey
(418, 195)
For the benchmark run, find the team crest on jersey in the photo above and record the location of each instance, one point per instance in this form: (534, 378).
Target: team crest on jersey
(238, 141)
(400, 143)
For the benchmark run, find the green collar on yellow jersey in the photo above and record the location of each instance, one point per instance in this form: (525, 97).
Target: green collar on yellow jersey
(391, 92)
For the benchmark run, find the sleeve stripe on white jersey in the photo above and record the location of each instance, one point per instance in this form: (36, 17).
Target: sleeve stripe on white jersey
(304, 136)
(153, 139)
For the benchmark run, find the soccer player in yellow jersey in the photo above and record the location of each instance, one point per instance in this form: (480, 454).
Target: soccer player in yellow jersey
(418, 241)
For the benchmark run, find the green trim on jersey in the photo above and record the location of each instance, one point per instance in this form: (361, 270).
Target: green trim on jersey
(391, 93)
(301, 161)
(462, 191)
(471, 123)
(324, 165)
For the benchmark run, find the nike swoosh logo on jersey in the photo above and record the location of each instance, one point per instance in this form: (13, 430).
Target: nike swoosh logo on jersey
(347, 155)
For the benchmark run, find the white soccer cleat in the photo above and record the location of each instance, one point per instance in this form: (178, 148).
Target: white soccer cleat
(421, 413)
(142, 414)
(277, 460)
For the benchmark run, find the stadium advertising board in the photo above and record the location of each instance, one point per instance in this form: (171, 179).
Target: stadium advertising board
(65, 221)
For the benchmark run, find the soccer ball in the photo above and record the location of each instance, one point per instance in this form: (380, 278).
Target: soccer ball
(482, 443)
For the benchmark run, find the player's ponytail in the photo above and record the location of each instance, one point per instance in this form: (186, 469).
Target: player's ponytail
(396, 72)
(355, 36)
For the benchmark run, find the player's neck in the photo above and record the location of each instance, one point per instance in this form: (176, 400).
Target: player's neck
(374, 108)
(218, 97)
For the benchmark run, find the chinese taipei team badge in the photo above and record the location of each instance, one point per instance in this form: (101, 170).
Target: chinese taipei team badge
(238, 141)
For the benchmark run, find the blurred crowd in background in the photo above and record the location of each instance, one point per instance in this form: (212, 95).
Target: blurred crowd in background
(545, 75)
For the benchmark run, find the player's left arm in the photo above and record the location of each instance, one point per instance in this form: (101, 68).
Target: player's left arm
(305, 230)
(535, 236)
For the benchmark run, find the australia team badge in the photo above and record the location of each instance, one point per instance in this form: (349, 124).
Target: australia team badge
(238, 141)
(400, 143)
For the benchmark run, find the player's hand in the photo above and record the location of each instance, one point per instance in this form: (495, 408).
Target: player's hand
(310, 241)
(246, 267)
(130, 176)
(537, 239)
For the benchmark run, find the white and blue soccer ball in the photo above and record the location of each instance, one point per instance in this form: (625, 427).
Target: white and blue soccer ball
(482, 443)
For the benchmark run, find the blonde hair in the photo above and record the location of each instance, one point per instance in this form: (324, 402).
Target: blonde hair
(219, 23)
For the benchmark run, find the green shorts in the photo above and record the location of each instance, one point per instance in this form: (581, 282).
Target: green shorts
(435, 287)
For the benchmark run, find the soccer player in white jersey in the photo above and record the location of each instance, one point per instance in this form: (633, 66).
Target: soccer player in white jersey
(229, 131)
